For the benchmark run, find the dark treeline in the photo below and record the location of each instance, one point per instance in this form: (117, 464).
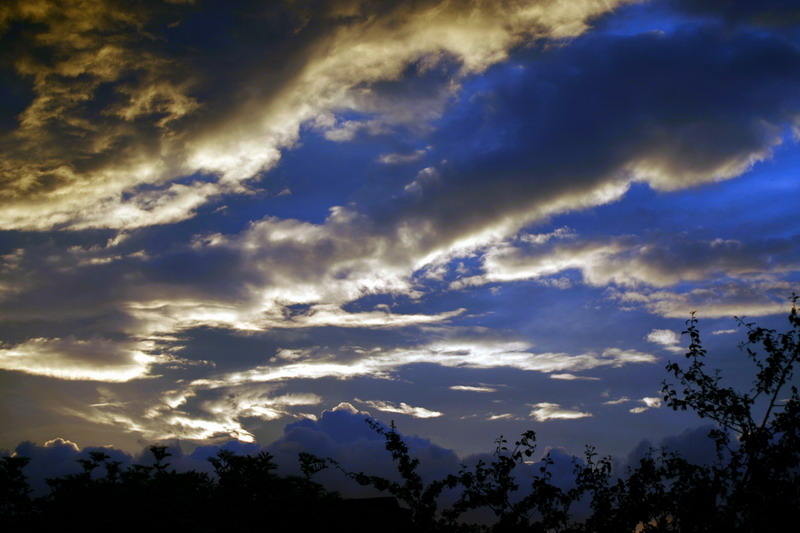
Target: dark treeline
(752, 486)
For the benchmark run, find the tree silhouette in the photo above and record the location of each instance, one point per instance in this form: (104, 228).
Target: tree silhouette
(758, 434)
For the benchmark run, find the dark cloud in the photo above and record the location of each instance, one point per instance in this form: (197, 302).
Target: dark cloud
(58, 458)
(573, 126)
(692, 444)
(656, 260)
(768, 13)
(129, 102)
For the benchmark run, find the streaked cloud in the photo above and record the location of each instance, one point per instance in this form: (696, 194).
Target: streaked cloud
(648, 402)
(154, 108)
(472, 388)
(543, 412)
(504, 416)
(381, 363)
(401, 408)
(191, 413)
(400, 158)
(618, 401)
(624, 261)
(94, 359)
(724, 299)
(176, 315)
(572, 377)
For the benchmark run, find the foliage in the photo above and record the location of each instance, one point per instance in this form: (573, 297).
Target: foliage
(493, 485)
(759, 468)
(421, 499)
(14, 488)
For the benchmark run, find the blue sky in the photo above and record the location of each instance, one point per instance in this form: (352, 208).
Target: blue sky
(222, 220)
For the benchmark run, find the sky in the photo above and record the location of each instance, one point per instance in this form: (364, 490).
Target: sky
(255, 222)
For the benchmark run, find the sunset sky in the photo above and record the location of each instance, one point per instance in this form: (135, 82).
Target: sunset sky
(220, 220)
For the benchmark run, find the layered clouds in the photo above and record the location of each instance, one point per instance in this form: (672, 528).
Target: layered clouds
(120, 103)
(220, 218)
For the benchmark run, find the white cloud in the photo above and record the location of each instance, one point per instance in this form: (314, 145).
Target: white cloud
(563, 232)
(401, 408)
(666, 338)
(381, 363)
(725, 299)
(626, 261)
(572, 377)
(504, 416)
(543, 412)
(94, 359)
(650, 402)
(189, 412)
(620, 400)
(177, 315)
(470, 388)
(425, 178)
(401, 158)
(167, 132)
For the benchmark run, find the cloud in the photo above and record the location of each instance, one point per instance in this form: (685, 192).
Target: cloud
(522, 134)
(135, 100)
(620, 400)
(472, 388)
(197, 413)
(342, 434)
(401, 158)
(723, 299)
(380, 363)
(649, 402)
(504, 416)
(129, 121)
(94, 359)
(693, 444)
(55, 458)
(667, 338)
(572, 377)
(176, 315)
(59, 457)
(766, 14)
(543, 412)
(217, 405)
(402, 408)
(287, 273)
(660, 261)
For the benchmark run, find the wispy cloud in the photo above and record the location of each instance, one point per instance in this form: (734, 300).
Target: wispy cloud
(648, 402)
(572, 377)
(169, 131)
(472, 388)
(543, 412)
(401, 408)
(380, 363)
(95, 359)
